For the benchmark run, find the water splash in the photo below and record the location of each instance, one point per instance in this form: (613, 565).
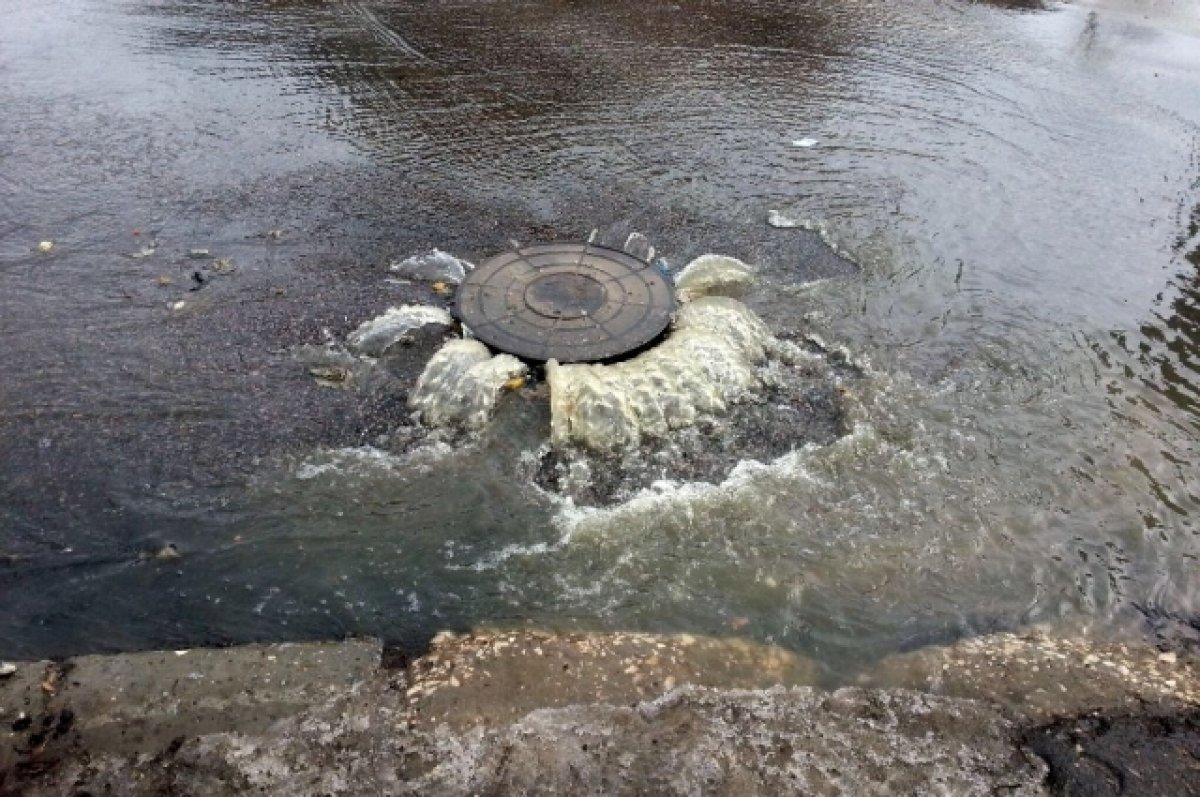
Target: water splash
(433, 266)
(372, 338)
(706, 363)
(713, 275)
(461, 384)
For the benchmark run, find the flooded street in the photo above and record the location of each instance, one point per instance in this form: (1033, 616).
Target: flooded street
(990, 212)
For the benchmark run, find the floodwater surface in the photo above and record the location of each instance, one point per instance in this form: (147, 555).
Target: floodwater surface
(998, 220)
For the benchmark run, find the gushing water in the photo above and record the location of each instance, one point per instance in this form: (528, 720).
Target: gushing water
(984, 260)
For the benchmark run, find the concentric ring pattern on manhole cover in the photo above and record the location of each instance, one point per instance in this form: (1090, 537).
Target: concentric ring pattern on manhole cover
(568, 302)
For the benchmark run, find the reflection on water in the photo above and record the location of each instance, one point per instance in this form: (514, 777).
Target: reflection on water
(1018, 185)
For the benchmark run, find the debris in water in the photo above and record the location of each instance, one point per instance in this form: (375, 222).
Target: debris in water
(441, 288)
(167, 552)
(515, 383)
(433, 266)
(179, 305)
(164, 280)
(713, 275)
(224, 265)
(332, 375)
(198, 254)
(7, 669)
(50, 680)
(805, 142)
(145, 251)
(396, 324)
(45, 246)
(461, 383)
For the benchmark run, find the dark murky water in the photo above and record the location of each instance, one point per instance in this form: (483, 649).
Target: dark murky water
(1020, 185)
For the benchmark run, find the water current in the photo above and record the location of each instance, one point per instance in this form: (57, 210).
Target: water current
(1012, 191)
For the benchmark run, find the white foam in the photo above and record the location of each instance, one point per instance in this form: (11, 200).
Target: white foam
(686, 499)
(497, 558)
(707, 362)
(371, 461)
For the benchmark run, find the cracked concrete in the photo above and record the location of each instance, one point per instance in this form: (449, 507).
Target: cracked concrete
(498, 711)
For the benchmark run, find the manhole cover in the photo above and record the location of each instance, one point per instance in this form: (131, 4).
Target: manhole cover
(569, 302)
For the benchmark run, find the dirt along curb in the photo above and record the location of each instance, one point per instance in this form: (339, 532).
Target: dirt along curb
(532, 712)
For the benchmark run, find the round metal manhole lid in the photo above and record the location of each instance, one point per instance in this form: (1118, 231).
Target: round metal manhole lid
(568, 302)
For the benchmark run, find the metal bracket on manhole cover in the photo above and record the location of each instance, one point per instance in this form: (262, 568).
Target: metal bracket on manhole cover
(568, 302)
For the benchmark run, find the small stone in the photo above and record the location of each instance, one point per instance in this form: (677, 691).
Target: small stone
(1167, 658)
(1090, 659)
(7, 669)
